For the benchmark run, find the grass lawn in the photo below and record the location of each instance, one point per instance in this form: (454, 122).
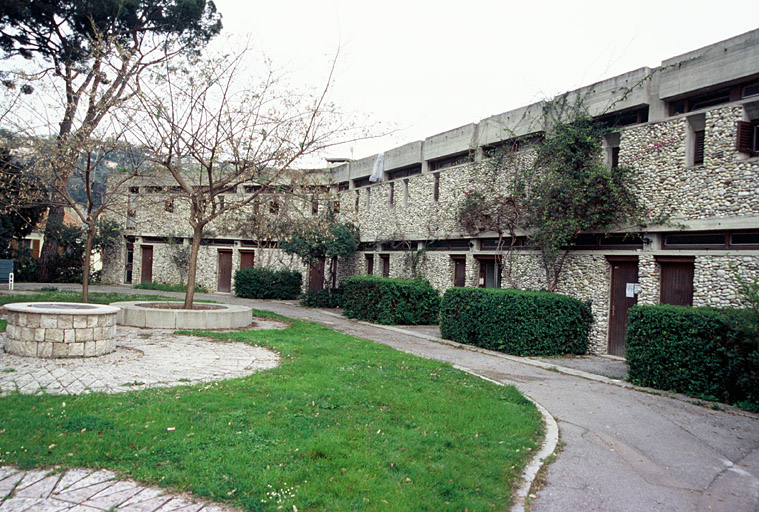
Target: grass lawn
(342, 424)
(70, 296)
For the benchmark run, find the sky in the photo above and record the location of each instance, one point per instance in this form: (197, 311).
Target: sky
(418, 68)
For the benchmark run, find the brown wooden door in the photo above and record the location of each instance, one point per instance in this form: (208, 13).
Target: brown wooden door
(147, 264)
(225, 272)
(676, 282)
(316, 275)
(622, 273)
(459, 272)
(247, 259)
(369, 264)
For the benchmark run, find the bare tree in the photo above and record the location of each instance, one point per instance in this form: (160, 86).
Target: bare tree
(90, 54)
(213, 132)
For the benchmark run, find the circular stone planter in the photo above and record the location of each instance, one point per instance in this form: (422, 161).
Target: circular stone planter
(60, 329)
(168, 315)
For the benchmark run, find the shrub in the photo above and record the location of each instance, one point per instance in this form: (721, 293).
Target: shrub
(516, 322)
(323, 298)
(391, 301)
(264, 283)
(703, 352)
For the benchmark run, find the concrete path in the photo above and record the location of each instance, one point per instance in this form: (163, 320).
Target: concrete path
(624, 450)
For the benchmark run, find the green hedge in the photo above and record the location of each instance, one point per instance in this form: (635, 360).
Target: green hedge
(323, 298)
(703, 352)
(515, 321)
(391, 301)
(264, 283)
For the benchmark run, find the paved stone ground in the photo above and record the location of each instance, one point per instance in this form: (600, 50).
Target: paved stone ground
(143, 358)
(82, 490)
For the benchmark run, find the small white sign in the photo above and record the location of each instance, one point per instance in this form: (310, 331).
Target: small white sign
(637, 289)
(632, 289)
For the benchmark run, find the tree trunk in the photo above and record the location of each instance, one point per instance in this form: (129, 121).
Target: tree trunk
(192, 266)
(49, 252)
(87, 263)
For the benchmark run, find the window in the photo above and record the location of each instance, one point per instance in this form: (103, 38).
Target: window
(131, 219)
(748, 137)
(626, 118)
(314, 206)
(696, 139)
(342, 186)
(358, 199)
(612, 141)
(405, 192)
(392, 194)
(168, 206)
(336, 206)
(705, 100)
(134, 190)
(274, 207)
(361, 182)
(449, 245)
(436, 187)
(450, 161)
(404, 172)
(385, 259)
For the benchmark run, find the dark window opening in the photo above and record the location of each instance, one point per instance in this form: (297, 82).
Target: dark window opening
(705, 100)
(450, 161)
(314, 207)
(716, 240)
(615, 157)
(134, 190)
(404, 172)
(436, 187)
(343, 186)
(274, 207)
(698, 147)
(449, 245)
(336, 206)
(369, 264)
(748, 137)
(392, 194)
(744, 239)
(627, 118)
(361, 182)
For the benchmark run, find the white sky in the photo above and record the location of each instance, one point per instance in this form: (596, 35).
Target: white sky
(424, 67)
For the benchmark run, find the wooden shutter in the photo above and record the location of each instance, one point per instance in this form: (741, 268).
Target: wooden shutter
(745, 137)
(698, 147)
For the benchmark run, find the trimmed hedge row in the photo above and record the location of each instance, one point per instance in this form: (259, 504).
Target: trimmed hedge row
(323, 298)
(384, 300)
(517, 322)
(703, 352)
(264, 283)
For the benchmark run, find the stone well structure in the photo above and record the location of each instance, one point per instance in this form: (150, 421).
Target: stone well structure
(60, 329)
(170, 315)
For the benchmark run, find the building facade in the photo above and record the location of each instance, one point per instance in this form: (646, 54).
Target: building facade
(689, 129)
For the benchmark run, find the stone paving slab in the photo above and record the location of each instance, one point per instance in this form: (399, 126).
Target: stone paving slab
(144, 358)
(82, 490)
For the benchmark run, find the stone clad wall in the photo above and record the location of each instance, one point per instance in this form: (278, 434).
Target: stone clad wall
(726, 185)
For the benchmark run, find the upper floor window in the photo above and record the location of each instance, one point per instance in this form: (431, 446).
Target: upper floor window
(450, 161)
(696, 139)
(706, 100)
(748, 137)
(361, 182)
(625, 118)
(404, 172)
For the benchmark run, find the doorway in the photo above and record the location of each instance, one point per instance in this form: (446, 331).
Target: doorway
(224, 283)
(624, 272)
(146, 275)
